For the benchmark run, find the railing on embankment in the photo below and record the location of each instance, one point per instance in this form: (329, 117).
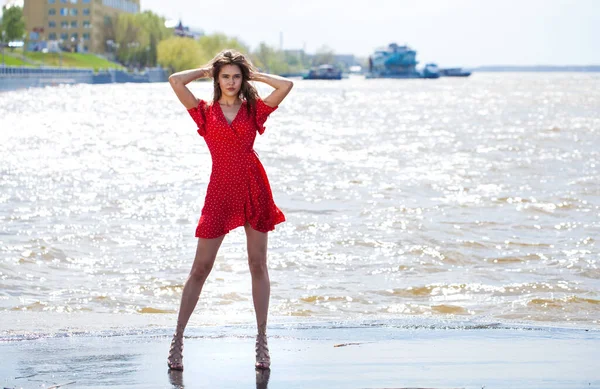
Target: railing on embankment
(17, 77)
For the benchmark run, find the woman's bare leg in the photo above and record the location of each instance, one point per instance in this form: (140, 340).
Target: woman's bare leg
(261, 289)
(206, 253)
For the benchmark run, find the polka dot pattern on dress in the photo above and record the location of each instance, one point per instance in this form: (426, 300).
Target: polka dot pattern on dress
(238, 190)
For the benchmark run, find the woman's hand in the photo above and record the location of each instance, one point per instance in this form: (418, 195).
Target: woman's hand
(179, 81)
(207, 72)
(282, 86)
(254, 76)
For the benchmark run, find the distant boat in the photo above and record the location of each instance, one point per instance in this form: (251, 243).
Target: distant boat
(393, 62)
(454, 72)
(324, 72)
(430, 70)
(399, 62)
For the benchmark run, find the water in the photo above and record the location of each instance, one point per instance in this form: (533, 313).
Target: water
(466, 199)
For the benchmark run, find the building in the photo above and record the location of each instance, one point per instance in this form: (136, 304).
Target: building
(347, 60)
(183, 31)
(75, 24)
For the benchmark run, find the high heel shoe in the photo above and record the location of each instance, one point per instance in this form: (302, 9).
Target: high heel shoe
(175, 359)
(263, 359)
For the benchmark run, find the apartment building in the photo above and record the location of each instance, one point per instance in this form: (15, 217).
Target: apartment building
(77, 24)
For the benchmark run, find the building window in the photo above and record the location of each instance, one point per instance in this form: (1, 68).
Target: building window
(73, 11)
(74, 24)
(64, 36)
(52, 36)
(51, 1)
(85, 1)
(85, 12)
(124, 5)
(73, 1)
(52, 11)
(52, 24)
(86, 24)
(63, 1)
(64, 24)
(86, 36)
(64, 11)
(74, 36)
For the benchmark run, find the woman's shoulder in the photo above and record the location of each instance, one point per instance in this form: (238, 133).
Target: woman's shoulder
(205, 105)
(259, 104)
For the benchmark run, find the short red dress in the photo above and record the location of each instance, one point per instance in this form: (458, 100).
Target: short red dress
(238, 191)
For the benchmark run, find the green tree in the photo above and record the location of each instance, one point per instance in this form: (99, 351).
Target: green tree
(179, 54)
(154, 27)
(298, 61)
(270, 60)
(13, 23)
(214, 43)
(130, 36)
(137, 37)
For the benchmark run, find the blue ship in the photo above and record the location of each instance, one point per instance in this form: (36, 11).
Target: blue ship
(398, 62)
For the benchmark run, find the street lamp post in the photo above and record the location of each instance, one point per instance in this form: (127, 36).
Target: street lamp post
(60, 43)
(3, 35)
(132, 53)
(117, 46)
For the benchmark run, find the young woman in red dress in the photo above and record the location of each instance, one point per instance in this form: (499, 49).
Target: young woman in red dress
(238, 192)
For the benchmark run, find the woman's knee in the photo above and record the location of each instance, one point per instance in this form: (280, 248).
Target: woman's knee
(201, 271)
(258, 263)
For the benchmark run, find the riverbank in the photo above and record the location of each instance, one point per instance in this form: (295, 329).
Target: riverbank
(19, 77)
(312, 354)
(36, 59)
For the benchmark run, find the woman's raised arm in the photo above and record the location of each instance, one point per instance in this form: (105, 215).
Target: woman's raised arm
(179, 81)
(282, 86)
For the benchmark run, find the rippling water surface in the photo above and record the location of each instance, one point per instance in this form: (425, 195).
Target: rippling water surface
(454, 198)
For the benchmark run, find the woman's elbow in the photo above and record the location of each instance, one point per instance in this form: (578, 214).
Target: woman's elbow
(173, 79)
(289, 86)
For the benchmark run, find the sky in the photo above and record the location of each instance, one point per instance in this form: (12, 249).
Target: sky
(447, 32)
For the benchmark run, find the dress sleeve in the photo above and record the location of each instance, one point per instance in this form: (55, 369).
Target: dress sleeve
(199, 115)
(262, 113)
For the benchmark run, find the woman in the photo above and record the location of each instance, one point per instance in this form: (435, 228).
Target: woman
(238, 193)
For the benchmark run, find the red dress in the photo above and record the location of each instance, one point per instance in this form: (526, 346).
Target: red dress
(238, 190)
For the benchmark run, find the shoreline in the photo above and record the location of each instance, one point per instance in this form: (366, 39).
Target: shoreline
(18, 325)
(312, 356)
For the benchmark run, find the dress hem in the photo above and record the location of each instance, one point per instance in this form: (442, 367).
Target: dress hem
(237, 226)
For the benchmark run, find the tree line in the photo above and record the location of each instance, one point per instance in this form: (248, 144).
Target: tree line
(142, 40)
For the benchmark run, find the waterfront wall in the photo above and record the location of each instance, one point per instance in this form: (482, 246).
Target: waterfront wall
(15, 77)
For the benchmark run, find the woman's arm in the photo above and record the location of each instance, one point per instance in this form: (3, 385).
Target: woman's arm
(282, 86)
(179, 81)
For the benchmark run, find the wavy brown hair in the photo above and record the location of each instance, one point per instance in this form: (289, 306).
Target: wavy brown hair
(233, 57)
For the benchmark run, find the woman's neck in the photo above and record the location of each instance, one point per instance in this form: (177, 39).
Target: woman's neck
(226, 100)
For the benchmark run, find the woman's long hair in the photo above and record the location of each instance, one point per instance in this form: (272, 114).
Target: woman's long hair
(233, 57)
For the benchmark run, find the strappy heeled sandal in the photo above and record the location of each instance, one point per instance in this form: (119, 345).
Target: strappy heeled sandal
(175, 359)
(262, 378)
(263, 359)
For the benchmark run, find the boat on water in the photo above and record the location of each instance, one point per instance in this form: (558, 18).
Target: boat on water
(430, 70)
(397, 61)
(324, 72)
(454, 72)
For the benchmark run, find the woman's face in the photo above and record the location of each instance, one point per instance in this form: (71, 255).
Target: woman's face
(230, 80)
